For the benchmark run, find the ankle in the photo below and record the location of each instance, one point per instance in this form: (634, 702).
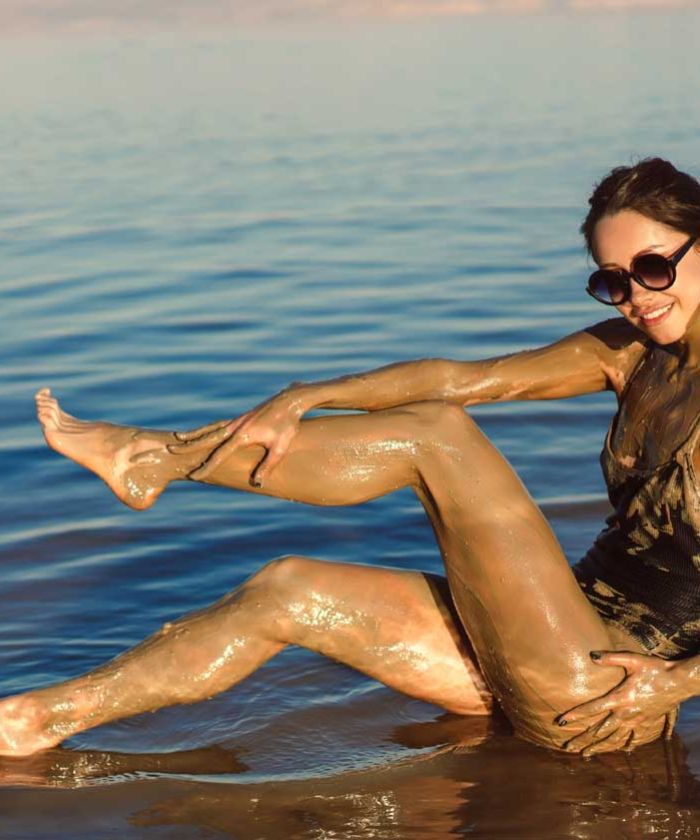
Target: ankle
(65, 709)
(149, 466)
(29, 711)
(24, 725)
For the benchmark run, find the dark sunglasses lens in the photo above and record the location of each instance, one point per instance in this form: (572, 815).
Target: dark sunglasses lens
(607, 286)
(655, 270)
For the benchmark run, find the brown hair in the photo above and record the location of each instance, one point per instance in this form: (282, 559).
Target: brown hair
(652, 187)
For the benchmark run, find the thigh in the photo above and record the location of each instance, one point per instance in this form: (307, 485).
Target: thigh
(529, 623)
(531, 626)
(397, 626)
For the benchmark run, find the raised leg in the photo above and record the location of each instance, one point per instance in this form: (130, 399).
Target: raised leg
(531, 626)
(396, 626)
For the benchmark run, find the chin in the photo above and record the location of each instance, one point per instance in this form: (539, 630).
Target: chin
(663, 334)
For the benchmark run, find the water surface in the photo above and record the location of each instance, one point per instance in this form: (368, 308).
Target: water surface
(187, 225)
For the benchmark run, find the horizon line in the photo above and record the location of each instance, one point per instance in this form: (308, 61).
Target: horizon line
(196, 17)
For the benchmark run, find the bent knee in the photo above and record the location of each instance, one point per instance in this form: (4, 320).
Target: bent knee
(435, 421)
(285, 580)
(306, 600)
(285, 572)
(435, 412)
(270, 595)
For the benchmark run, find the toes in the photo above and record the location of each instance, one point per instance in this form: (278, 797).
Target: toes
(44, 400)
(50, 412)
(67, 421)
(45, 406)
(63, 421)
(47, 422)
(70, 423)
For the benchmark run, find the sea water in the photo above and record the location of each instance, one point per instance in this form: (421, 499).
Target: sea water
(187, 224)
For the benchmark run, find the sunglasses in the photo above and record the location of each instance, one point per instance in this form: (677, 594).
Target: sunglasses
(653, 271)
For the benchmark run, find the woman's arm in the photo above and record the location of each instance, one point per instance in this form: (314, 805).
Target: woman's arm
(593, 359)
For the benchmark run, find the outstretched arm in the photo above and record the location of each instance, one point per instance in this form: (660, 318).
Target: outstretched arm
(593, 359)
(581, 363)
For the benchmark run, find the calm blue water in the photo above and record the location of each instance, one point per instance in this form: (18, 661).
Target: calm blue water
(187, 225)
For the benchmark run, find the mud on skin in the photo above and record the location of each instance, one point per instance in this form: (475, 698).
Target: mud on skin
(438, 450)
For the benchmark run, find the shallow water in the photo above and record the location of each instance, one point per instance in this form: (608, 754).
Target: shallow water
(186, 225)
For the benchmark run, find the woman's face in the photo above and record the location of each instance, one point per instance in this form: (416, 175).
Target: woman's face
(663, 316)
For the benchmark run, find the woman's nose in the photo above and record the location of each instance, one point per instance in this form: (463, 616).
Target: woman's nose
(639, 296)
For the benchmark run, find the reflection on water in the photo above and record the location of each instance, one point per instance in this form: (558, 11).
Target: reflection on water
(64, 768)
(477, 781)
(466, 792)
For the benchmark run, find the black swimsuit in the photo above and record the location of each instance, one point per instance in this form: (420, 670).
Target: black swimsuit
(643, 571)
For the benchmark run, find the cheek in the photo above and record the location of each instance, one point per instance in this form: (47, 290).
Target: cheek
(693, 295)
(687, 295)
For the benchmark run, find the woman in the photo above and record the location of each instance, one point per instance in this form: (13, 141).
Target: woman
(592, 661)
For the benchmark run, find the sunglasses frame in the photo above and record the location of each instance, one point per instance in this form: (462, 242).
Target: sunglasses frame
(628, 276)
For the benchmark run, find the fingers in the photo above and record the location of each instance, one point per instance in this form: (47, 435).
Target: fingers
(671, 719)
(192, 434)
(592, 707)
(593, 733)
(268, 463)
(205, 443)
(612, 734)
(625, 659)
(629, 661)
(215, 460)
(273, 455)
(218, 442)
(629, 743)
(616, 740)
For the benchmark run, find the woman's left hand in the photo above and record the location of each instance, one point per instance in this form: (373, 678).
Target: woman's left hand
(649, 691)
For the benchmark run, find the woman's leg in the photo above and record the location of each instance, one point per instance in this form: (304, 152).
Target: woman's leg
(397, 626)
(531, 626)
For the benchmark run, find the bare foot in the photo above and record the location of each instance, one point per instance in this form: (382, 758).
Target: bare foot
(23, 729)
(134, 463)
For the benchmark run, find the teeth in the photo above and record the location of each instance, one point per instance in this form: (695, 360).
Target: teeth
(655, 313)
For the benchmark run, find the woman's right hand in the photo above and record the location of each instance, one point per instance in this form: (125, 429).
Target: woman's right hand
(272, 424)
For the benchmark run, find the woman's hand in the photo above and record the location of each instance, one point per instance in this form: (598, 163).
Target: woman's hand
(272, 424)
(650, 691)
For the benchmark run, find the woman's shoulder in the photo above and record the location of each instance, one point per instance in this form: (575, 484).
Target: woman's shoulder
(620, 346)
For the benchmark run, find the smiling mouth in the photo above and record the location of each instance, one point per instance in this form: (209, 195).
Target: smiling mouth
(655, 316)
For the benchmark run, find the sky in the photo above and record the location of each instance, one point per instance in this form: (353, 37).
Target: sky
(47, 17)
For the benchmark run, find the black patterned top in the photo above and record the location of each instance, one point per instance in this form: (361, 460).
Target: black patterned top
(643, 570)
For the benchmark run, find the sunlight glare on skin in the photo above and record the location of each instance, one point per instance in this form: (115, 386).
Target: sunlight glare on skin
(321, 614)
(414, 654)
(221, 660)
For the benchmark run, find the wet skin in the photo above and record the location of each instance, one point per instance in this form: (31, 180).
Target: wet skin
(509, 579)
(531, 628)
(658, 411)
